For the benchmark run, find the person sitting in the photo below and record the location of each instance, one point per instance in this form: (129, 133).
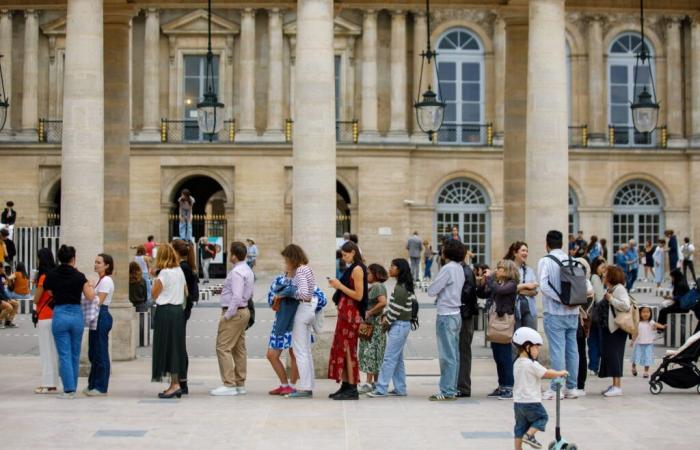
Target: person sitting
(20, 283)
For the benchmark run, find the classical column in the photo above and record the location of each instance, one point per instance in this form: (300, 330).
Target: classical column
(499, 85)
(674, 81)
(597, 130)
(695, 81)
(397, 126)
(82, 155)
(6, 51)
(275, 125)
(151, 78)
(420, 36)
(246, 127)
(30, 75)
(368, 122)
(116, 176)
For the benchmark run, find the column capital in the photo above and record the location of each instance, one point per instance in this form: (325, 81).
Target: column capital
(118, 15)
(248, 13)
(31, 13)
(276, 11)
(515, 15)
(671, 22)
(6, 14)
(594, 18)
(152, 12)
(369, 14)
(418, 14)
(398, 13)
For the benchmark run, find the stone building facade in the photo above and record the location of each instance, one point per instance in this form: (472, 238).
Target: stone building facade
(390, 180)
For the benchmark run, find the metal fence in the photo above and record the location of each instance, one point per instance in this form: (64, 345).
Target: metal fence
(50, 130)
(346, 131)
(625, 136)
(465, 134)
(28, 241)
(175, 131)
(578, 136)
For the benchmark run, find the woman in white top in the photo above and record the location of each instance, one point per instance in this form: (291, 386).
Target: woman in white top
(169, 293)
(98, 339)
(614, 338)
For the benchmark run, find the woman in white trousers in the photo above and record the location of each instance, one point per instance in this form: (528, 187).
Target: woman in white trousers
(44, 308)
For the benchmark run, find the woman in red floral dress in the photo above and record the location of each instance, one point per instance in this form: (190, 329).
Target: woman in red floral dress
(351, 299)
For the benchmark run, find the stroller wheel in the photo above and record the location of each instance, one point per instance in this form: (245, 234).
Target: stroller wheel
(655, 387)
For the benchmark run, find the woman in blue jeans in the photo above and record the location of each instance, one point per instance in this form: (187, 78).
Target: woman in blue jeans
(397, 320)
(66, 284)
(98, 344)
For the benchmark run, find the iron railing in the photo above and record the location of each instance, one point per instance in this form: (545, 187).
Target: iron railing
(50, 130)
(578, 136)
(187, 130)
(465, 134)
(626, 136)
(346, 131)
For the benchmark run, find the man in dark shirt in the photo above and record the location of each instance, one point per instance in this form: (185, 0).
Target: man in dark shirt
(580, 245)
(11, 251)
(208, 251)
(9, 217)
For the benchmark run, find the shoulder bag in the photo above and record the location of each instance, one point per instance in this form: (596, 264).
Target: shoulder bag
(628, 321)
(500, 329)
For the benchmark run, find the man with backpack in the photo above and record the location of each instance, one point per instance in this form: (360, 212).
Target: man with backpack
(468, 311)
(562, 282)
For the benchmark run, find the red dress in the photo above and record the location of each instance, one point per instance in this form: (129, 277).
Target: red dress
(345, 339)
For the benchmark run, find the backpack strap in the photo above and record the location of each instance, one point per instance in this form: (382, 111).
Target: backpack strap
(560, 264)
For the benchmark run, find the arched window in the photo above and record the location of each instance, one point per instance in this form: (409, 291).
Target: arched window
(622, 59)
(465, 205)
(573, 212)
(637, 213)
(461, 69)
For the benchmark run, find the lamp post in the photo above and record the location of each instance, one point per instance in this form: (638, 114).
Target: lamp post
(645, 108)
(430, 112)
(210, 110)
(4, 101)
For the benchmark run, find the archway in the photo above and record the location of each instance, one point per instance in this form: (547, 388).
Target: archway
(53, 217)
(208, 211)
(342, 208)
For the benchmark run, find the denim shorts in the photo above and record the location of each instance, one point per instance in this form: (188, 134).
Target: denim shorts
(529, 415)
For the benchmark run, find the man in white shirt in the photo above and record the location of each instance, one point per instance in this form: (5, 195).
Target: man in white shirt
(560, 321)
(687, 250)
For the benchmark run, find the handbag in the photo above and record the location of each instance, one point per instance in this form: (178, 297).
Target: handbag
(366, 330)
(628, 321)
(500, 329)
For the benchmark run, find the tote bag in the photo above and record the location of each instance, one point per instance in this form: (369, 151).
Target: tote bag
(500, 329)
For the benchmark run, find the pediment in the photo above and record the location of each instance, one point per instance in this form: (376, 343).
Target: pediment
(341, 27)
(56, 27)
(195, 23)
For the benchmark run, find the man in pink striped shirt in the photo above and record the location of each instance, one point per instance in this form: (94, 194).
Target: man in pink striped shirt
(230, 339)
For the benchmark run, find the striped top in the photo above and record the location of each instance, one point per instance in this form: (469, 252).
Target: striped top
(399, 307)
(305, 282)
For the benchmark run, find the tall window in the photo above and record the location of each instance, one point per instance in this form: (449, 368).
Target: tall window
(573, 212)
(637, 213)
(195, 86)
(465, 205)
(461, 69)
(337, 65)
(622, 60)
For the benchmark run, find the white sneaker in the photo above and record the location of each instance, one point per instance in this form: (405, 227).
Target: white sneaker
(613, 392)
(571, 393)
(241, 390)
(580, 392)
(224, 391)
(66, 396)
(551, 395)
(606, 390)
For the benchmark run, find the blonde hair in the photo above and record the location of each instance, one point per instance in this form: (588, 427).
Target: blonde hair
(510, 268)
(167, 258)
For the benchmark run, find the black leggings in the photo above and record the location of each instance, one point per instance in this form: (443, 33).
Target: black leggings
(582, 360)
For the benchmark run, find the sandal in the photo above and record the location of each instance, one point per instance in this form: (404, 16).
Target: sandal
(634, 372)
(45, 390)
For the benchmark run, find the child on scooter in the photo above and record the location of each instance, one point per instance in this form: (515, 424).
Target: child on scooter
(530, 415)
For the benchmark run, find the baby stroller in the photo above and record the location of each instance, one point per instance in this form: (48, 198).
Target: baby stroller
(678, 369)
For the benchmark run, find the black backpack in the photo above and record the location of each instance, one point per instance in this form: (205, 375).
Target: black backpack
(572, 276)
(414, 313)
(469, 307)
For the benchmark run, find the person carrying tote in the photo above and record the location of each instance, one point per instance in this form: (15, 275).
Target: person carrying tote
(614, 338)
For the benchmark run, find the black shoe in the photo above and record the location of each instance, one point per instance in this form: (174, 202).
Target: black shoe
(495, 393)
(463, 395)
(177, 393)
(183, 387)
(349, 394)
(343, 388)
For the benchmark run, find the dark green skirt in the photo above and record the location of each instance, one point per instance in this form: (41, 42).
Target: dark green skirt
(169, 351)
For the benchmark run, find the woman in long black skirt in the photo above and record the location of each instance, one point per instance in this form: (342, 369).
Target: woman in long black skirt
(614, 338)
(169, 354)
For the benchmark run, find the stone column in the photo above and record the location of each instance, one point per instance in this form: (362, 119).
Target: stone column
(695, 81)
(151, 78)
(246, 128)
(30, 74)
(368, 122)
(82, 156)
(6, 51)
(420, 36)
(397, 126)
(499, 85)
(674, 81)
(116, 177)
(275, 125)
(597, 94)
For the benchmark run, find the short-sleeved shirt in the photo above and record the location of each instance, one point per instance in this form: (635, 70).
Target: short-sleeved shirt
(149, 246)
(647, 332)
(527, 374)
(45, 312)
(66, 283)
(375, 292)
(21, 284)
(173, 281)
(105, 286)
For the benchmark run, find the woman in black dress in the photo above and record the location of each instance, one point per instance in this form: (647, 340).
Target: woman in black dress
(616, 299)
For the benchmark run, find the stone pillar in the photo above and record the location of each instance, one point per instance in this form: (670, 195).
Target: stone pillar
(151, 78)
(547, 150)
(597, 93)
(246, 91)
(368, 122)
(30, 75)
(6, 51)
(695, 81)
(82, 156)
(420, 36)
(314, 165)
(674, 81)
(499, 85)
(116, 177)
(397, 127)
(275, 125)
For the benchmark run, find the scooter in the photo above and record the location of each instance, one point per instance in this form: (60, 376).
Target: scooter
(560, 443)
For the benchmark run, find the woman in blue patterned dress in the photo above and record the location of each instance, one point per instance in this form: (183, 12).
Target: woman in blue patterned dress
(281, 299)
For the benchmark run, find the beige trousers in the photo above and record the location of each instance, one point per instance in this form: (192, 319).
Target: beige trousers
(230, 348)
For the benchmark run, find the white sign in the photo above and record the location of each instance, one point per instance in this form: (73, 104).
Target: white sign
(385, 231)
(218, 241)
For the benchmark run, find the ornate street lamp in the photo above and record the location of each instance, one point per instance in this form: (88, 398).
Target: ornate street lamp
(4, 101)
(645, 110)
(210, 115)
(430, 112)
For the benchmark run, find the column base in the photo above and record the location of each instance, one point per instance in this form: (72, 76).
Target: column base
(694, 141)
(271, 136)
(369, 137)
(677, 142)
(400, 137)
(124, 334)
(7, 135)
(29, 135)
(147, 135)
(598, 140)
(247, 136)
